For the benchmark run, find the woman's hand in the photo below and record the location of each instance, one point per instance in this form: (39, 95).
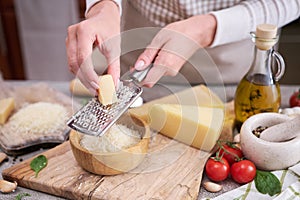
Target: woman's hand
(101, 29)
(174, 45)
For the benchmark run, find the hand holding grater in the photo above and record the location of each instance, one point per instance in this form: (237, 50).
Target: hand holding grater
(95, 119)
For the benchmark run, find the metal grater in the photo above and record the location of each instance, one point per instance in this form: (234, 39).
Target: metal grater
(95, 119)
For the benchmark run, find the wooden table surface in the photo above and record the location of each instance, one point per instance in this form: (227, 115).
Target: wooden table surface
(226, 93)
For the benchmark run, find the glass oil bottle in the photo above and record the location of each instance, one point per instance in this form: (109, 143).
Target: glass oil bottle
(259, 89)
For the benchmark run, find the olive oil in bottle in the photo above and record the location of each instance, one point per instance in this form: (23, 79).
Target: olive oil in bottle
(255, 98)
(259, 90)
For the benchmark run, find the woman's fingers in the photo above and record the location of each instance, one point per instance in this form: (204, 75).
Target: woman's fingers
(114, 71)
(111, 49)
(87, 74)
(86, 38)
(102, 23)
(79, 44)
(71, 47)
(169, 50)
(146, 58)
(86, 83)
(175, 44)
(154, 75)
(152, 50)
(165, 64)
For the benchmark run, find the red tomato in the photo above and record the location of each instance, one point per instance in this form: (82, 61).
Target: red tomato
(217, 170)
(231, 153)
(295, 99)
(243, 171)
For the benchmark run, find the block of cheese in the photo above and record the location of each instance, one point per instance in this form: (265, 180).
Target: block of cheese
(196, 126)
(199, 95)
(107, 92)
(77, 88)
(6, 107)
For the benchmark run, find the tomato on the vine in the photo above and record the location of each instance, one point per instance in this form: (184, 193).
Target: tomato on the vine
(295, 99)
(217, 169)
(231, 153)
(243, 171)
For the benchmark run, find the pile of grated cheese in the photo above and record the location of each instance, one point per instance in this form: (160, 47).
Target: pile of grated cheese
(38, 118)
(116, 138)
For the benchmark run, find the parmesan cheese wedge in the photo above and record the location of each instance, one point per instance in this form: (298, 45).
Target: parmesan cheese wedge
(199, 95)
(6, 107)
(197, 126)
(107, 92)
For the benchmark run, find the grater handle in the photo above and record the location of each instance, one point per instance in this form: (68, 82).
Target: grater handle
(139, 76)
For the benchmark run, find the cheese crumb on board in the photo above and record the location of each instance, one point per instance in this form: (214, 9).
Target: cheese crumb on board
(116, 138)
(38, 118)
(107, 92)
(197, 126)
(6, 107)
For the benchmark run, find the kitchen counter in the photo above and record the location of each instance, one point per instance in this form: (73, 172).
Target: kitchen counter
(226, 94)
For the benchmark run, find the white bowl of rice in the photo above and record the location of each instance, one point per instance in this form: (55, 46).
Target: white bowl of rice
(119, 150)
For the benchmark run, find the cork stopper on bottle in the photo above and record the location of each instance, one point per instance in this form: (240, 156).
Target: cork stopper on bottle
(266, 36)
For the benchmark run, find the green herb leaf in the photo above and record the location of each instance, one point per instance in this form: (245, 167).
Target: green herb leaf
(21, 195)
(267, 183)
(38, 164)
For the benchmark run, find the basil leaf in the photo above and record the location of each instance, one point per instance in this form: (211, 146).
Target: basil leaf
(21, 195)
(38, 164)
(267, 183)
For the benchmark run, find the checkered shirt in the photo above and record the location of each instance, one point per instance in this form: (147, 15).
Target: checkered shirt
(162, 12)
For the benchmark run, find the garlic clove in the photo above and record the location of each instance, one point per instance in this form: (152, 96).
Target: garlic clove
(212, 187)
(237, 138)
(7, 187)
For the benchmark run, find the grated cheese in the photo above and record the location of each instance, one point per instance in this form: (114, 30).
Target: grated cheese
(116, 138)
(38, 118)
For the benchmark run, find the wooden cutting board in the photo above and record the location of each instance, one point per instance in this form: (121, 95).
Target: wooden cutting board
(171, 170)
(63, 177)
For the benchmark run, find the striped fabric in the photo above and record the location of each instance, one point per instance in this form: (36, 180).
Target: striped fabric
(162, 13)
(289, 179)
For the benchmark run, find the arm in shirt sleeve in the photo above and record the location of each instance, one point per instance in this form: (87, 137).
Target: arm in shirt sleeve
(235, 23)
(90, 3)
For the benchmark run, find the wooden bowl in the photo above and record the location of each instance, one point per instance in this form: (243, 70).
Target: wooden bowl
(111, 163)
